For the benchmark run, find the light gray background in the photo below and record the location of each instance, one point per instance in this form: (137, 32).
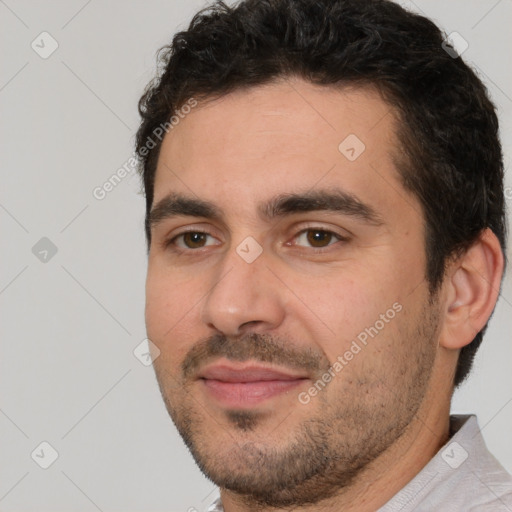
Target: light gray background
(68, 374)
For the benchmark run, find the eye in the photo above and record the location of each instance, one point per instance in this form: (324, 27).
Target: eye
(191, 240)
(317, 238)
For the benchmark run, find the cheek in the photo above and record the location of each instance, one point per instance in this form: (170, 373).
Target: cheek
(171, 303)
(349, 305)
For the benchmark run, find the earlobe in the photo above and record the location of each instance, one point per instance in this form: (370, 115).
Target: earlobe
(473, 286)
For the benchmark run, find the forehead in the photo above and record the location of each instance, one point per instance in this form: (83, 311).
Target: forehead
(281, 137)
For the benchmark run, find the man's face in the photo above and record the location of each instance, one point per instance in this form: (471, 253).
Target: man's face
(253, 308)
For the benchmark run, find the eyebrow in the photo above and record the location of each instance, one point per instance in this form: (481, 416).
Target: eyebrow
(331, 200)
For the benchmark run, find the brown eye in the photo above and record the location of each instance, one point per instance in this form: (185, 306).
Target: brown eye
(194, 240)
(191, 240)
(317, 238)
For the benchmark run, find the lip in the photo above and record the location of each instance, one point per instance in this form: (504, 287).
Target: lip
(247, 385)
(246, 373)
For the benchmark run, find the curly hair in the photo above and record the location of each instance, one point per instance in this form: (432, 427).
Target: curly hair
(450, 153)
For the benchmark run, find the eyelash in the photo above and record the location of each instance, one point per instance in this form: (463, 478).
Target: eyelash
(170, 243)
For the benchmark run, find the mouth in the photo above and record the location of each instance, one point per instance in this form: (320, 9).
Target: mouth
(246, 385)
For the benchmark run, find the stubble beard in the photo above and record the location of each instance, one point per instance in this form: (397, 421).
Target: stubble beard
(323, 455)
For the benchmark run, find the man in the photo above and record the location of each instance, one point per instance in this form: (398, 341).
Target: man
(326, 233)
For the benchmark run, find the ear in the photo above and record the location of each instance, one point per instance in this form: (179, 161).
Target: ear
(472, 289)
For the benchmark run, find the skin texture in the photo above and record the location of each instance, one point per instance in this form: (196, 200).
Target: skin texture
(304, 300)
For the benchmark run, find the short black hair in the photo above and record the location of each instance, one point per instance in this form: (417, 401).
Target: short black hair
(450, 152)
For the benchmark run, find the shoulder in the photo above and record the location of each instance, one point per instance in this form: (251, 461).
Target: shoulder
(464, 476)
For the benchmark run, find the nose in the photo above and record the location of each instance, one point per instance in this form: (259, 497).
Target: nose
(243, 296)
